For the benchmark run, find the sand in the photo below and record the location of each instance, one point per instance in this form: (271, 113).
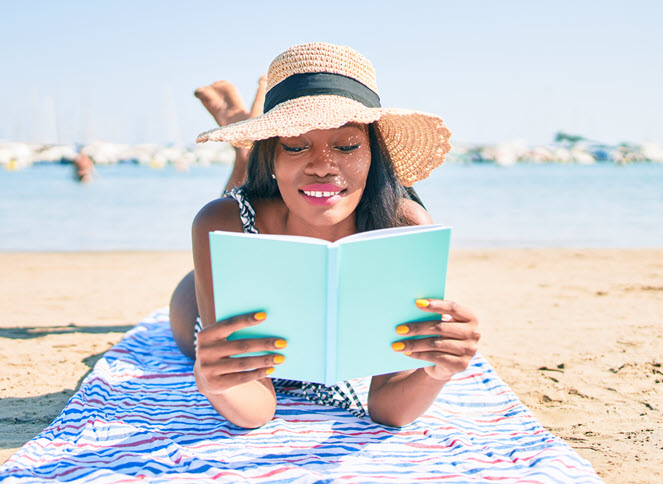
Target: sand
(575, 333)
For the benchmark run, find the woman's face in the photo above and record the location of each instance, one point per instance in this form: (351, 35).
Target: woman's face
(322, 174)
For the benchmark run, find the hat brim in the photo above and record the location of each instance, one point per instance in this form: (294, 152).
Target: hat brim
(417, 142)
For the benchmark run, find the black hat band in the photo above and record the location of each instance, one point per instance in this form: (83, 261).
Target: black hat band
(318, 84)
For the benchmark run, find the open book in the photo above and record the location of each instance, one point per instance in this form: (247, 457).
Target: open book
(336, 304)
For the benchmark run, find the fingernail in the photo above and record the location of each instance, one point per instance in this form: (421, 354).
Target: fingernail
(261, 316)
(269, 371)
(407, 353)
(280, 343)
(397, 346)
(422, 303)
(402, 329)
(278, 359)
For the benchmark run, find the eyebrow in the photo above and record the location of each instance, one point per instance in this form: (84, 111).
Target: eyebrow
(359, 126)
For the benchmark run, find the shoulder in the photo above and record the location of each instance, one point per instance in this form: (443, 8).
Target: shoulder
(219, 214)
(415, 213)
(271, 215)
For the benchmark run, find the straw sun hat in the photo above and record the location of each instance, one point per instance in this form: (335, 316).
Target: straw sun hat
(324, 86)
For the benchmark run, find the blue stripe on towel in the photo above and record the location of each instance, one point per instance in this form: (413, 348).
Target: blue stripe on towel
(139, 416)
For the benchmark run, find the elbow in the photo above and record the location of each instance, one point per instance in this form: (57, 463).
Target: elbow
(251, 422)
(249, 409)
(253, 419)
(395, 421)
(389, 416)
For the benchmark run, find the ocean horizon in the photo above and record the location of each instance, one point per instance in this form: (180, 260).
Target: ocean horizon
(135, 207)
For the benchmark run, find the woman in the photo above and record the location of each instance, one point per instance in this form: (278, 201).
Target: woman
(326, 161)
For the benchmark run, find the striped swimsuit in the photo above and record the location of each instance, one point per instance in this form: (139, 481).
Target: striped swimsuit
(342, 395)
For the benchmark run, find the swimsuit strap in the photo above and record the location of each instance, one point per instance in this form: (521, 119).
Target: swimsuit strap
(246, 212)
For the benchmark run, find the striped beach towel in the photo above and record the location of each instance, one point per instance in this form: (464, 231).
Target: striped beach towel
(139, 417)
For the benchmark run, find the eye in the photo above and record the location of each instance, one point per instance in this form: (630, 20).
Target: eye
(293, 149)
(347, 148)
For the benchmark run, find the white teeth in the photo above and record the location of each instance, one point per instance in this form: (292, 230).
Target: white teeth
(320, 194)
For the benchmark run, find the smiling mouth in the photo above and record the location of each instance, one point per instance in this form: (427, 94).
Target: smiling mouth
(319, 194)
(323, 197)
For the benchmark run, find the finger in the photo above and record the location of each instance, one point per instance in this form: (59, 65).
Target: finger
(441, 306)
(223, 348)
(452, 330)
(221, 383)
(450, 362)
(224, 328)
(226, 366)
(441, 345)
(259, 101)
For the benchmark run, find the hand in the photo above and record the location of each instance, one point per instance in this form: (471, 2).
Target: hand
(454, 342)
(215, 369)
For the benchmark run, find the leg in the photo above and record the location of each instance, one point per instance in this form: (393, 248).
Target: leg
(259, 101)
(223, 101)
(183, 314)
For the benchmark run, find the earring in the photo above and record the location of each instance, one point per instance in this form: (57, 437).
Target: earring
(273, 176)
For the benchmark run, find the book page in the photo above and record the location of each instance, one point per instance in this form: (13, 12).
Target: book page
(379, 282)
(287, 280)
(289, 238)
(390, 232)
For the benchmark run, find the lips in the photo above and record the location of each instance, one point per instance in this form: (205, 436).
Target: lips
(322, 193)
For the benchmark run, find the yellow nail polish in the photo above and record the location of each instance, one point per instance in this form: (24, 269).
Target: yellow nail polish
(261, 316)
(422, 303)
(280, 343)
(407, 353)
(402, 329)
(397, 346)
(278, 359)
(269, 371)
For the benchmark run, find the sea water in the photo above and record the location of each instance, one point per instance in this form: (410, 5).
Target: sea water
(131, 206)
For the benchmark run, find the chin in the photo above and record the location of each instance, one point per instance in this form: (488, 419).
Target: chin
(321, 216)
(329, 218)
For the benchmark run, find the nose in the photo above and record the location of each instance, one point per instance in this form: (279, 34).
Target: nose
(322, 162)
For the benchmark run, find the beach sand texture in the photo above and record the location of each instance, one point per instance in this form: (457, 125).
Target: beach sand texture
(575, 333)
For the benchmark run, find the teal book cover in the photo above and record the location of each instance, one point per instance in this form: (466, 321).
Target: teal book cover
(337, 304)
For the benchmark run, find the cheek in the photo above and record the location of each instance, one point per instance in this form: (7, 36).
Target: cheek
(357, 170)
(282, 168)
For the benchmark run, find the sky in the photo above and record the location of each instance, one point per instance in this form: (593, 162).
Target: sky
(125, 71)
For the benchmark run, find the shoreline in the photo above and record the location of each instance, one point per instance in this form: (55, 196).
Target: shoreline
(574, 332)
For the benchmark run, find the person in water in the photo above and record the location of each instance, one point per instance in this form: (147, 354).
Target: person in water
(326, 161)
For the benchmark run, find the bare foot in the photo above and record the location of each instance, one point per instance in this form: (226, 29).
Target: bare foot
(259, 101)
(224, 103)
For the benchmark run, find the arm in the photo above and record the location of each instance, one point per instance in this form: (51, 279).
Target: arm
(397, 399)
(237, 388)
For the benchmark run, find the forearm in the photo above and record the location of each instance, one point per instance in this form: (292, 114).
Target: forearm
(398, 399)
(249, 405)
